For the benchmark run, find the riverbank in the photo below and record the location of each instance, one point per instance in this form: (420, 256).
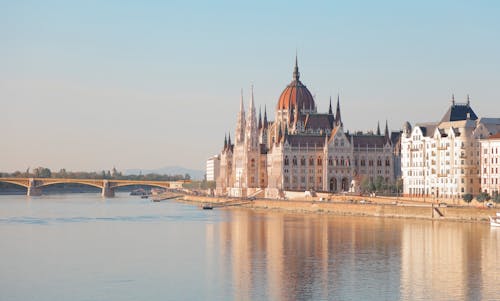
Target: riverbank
(384, 208)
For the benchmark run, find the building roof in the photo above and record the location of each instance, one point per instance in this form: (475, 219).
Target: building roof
(296, 95)
(318, 121)
(306, 140)
(495, 137)
(427, 128)
(364, 140)
(459, 112)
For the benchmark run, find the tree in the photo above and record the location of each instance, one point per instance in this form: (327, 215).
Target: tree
(467, 198)
(483, 196)
(42, 172)
(496, 197)
(379, 183)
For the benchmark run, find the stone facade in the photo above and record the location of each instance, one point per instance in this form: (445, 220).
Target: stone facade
(442, 159)
(301, 150)
(490, 164)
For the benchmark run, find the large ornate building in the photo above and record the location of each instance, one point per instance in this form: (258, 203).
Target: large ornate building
(444, 159)
(300, 150)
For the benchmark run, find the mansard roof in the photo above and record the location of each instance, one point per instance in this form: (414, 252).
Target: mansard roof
(459, 112)
(396, 137)
(427, 128)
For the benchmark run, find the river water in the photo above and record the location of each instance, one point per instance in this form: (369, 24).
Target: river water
(83, 247)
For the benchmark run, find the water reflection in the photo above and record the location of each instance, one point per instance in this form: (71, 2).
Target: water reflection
(132, 249)
(278, 256)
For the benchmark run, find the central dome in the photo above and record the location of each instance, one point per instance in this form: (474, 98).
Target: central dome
(296, 95)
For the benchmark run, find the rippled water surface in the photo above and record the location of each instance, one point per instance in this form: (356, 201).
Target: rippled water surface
(82, 247)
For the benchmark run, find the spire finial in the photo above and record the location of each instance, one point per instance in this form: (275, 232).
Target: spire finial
(453, 99)
(296, 73)
(468, 100)
(378, 128)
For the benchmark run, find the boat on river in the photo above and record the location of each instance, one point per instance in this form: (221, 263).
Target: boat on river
(495, 221)
(207, 206)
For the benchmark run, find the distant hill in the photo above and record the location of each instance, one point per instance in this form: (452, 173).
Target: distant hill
(169, 170)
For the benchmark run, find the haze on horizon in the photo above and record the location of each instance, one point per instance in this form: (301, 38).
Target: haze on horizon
(90, 85)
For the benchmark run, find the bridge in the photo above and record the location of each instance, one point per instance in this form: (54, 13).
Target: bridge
(35, 185)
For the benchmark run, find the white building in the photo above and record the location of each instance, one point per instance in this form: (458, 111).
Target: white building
(442, 159)
(213, 167)
(490, 164)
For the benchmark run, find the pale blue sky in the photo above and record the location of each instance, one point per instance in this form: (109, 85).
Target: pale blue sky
(88, 85)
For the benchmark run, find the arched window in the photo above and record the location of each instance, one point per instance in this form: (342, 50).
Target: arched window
(342, 163)
(252, 163)
(330, 161)
(286, 160)
(303, 161)
(320, 161)
(336, 161)
(311, 161)
(294, 161)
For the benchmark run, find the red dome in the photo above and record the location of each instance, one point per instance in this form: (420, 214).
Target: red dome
(296, 95)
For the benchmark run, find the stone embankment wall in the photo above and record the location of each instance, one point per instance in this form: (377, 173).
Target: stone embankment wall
(337, 207)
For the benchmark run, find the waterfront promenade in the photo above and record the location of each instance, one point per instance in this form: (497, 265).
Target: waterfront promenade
(361, 206)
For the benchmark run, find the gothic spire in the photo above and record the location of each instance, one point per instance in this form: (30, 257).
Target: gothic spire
(260, 118)
(252, 126)
(229, 140)
(225, 141)
(386, 134)
(468, 100)
(453, 99)
(265, 117)
(330, 111)
(240, 125)
(338, 118)
(378, 128)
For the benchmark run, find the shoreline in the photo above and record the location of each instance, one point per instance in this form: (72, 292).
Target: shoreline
(423, 211)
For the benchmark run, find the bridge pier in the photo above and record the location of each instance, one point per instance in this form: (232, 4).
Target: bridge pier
(107, 191)
(32, 189)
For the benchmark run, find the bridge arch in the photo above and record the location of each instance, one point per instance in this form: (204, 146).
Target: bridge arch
(70, 182)
(116, 185)
(18, 183)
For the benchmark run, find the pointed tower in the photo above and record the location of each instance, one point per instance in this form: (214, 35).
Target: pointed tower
(225, 142)
(338, 118)
(260, 118)
(378, 128)
(251, 131)
(265, 117)
(240, 125)
(386, 133)
(229, 140)
(330, 111)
